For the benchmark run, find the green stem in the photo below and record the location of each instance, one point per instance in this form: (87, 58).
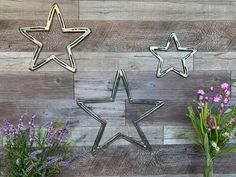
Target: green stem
(208, 172)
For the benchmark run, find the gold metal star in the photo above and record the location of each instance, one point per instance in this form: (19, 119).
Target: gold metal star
(144, 142)
(36, 65)
(161, 73)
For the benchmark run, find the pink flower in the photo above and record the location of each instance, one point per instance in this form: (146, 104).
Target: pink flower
(18, 161)
(222, 105)
(227, 93)
(207, 98)
(212, 88)
(209, 119)
(201, 97)
(217, 98)
(226, 100)
(201, 92)
(224, 86)
(210, 122)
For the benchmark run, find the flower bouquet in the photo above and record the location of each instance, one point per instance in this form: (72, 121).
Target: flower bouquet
(213, 123)
(31, 151)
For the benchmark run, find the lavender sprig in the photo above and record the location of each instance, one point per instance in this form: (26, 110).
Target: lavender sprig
(32, 130)
(9, 130)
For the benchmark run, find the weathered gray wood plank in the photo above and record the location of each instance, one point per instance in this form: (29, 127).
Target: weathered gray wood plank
(144, 84)
(29, 9)
(130, 161)
(215, 61)
(98, 61)
(123, 36)
(157, 10)
(171, 134)
(32, 85)
(51, 109)
(129, 61)
(154, 134)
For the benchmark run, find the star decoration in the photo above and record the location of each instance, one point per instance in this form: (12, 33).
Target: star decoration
(161, 73)
(36, 65)
(144, 142)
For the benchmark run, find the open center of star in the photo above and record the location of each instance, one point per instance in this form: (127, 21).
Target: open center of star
(172, 57)
(55, 41)
(115, 115)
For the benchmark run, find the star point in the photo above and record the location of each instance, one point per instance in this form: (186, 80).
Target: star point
(143, 143)
(159, 72)
(34, 64)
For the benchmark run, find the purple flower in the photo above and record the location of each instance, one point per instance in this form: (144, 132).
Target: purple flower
(224, 86)
(9, 130)
(210, 122)
(226, 100)
(52, 161)
(207, 98)
(201, 97)
(49, 137)
(34, 154)
(212, 88)
(222, 105)
(200, 92)
(20, 124)
(30, 168)
(32, 129)
(61, 132)
(217, 98)
(209, 119)
(18, 161)
(227, 93)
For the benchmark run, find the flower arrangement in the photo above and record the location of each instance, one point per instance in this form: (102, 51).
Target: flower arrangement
(213, 123)
(32, 151)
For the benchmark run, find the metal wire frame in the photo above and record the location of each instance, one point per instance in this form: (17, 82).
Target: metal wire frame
(159, 72)
(144, 142)
(36, 65)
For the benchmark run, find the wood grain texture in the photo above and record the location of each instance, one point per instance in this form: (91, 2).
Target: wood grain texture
(153, 133)
(215, 61)
(157, 10)
(122, 32)
(129, 61)
(130, 161)
(146, 85)
(45, 109)
(32, 85)
(28, 9)
(123, 36)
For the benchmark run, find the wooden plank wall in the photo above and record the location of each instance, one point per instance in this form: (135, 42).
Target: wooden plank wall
(122, 32)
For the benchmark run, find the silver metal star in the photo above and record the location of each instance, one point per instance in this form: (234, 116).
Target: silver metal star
(36, 65)
(159, 72)
(144, 142)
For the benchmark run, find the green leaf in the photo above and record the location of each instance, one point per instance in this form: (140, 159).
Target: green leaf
(191, 137)
(226, 116)
(228, 149)
(58, 123)
(195, 120)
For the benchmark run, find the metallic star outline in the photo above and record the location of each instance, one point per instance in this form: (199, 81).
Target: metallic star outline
(144, 142)
(33, 64)
(159, 72)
